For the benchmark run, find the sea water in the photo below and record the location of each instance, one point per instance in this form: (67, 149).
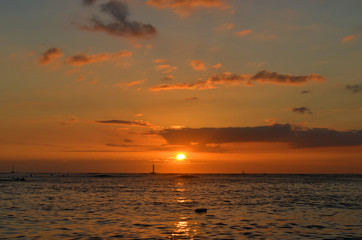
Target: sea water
(161, 206)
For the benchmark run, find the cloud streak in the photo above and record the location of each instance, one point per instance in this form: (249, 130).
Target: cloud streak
(125, 122)
(296, 137)
(83, 59)
(232, 79)
(121, 26)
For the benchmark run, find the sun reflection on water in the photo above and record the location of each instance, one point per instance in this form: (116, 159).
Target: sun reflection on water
(183, 230)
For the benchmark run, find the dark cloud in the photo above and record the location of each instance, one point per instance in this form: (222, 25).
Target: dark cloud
(234, 79)
(121, 26)
(302, 110)
(125, 122)
(278, 133)
(50, 55)
(227, 78)
(277, 78)
(305, 91)
(354, 88)
(88, 2)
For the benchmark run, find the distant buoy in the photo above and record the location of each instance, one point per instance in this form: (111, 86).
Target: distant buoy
(200, 210)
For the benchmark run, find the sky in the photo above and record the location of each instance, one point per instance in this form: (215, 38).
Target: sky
(261, 86)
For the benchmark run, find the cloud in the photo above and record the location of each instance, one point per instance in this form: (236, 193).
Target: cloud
(217, 65)
(227, 78)
(232, 79)
(173, 86)
(198, 65)
(354, 88)
(302, 110)
(125, 122)
(348, 38)
(83, 59)
(166, 68)
(243, 33)
(184, 7)
(277, 78)
(121, 26)
(296, 137)
(50, 55)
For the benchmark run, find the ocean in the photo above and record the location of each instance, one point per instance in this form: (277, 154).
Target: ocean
(162, 206)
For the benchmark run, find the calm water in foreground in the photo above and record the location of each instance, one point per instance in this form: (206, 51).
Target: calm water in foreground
(161, 206)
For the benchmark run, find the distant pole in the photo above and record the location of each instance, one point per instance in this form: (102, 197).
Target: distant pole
(12, 168)
(153, 167)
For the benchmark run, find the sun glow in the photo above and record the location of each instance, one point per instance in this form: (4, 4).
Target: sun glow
(180, 156)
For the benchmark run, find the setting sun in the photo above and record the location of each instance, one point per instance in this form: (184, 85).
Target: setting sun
(180, 156)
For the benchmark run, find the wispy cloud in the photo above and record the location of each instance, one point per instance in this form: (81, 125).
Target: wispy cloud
(174, 86)
(278, 133)
(301, 110)
(83, 59)
(121, 26)
(217, 65)
(166, 68)
(354, 88)
(185, 7)
(136, 82)
(50, 55)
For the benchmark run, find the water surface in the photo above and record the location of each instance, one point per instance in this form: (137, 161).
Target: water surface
(161, 206)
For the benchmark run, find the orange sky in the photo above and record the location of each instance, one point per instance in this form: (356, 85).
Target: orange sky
(116, 86)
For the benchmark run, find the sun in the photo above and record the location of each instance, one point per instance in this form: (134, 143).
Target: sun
(180, 156)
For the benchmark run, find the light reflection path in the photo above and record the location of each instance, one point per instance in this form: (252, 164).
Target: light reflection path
(183, 227)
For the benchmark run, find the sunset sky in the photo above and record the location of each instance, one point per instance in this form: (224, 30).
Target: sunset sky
(261, 86)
